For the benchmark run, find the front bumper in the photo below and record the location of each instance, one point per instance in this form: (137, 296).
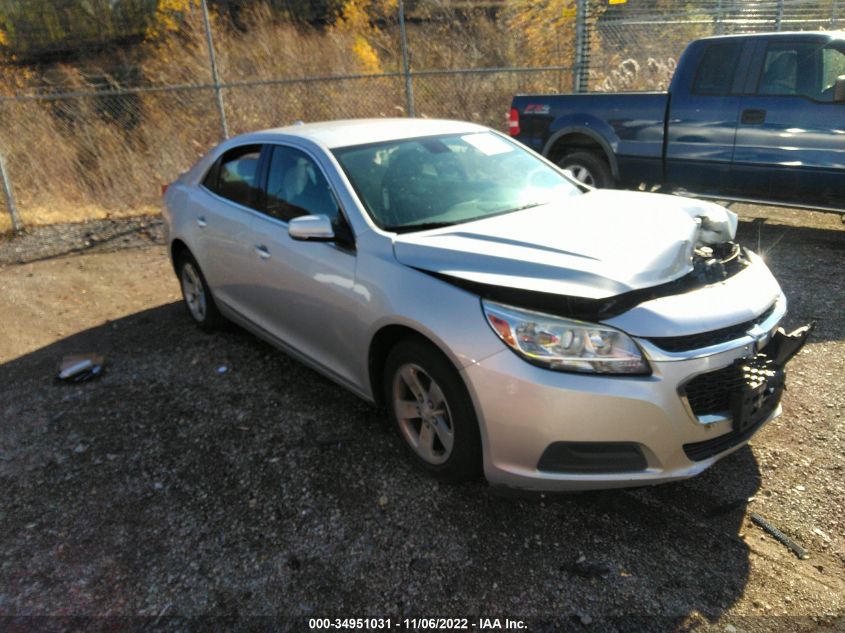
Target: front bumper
(523, 410)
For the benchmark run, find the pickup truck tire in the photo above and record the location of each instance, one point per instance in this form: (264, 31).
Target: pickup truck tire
(589, 168)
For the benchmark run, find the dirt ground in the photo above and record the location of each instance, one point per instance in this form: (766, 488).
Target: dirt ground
(168, 490)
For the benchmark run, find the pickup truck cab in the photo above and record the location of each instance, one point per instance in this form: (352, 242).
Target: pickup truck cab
(747, 117)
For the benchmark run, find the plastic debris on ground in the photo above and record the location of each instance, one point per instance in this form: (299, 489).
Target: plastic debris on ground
(779, 536)
(80, 367)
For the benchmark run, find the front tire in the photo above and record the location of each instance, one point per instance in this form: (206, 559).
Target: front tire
(430, 408)
(197, 295)
(589, 168)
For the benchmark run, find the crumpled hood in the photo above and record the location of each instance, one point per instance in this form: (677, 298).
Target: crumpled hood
(595, 245)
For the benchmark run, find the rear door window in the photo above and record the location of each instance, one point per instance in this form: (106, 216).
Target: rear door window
(235, 176)
(716, 70)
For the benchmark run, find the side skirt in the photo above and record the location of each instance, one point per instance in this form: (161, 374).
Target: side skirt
(233, 315)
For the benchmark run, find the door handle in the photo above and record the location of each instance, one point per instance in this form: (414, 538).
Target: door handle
(262, 251)
(753, 116)
(201, 221)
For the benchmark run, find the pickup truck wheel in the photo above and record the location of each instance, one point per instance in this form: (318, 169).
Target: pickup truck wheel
(430, 408)
(589, 168)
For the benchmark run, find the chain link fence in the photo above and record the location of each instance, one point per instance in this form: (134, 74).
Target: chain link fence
(84, 141)
(635, 45)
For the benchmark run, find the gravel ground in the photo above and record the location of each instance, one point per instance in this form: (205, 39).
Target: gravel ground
(169, 490)
(98, 236)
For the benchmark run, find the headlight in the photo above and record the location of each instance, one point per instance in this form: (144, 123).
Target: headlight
(564, 344)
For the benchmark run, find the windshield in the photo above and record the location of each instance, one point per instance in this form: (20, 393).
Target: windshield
(414, 184)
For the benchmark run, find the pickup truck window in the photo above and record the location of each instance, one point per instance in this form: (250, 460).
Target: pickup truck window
(716, 69)
(801, 68)
(833, 66)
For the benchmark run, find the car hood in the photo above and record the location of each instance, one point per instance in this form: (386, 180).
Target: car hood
(596, 245)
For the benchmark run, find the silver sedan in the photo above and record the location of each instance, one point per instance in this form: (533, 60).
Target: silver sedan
(511, 319)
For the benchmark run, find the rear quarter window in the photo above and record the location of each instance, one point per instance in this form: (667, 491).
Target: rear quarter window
(715, 73)
(235, 175)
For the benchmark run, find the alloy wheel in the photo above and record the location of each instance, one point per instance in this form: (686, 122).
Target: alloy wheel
(423, 414)
(194, 292)
(582, 174)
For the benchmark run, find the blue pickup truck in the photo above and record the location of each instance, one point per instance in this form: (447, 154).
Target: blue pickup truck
(747, 117)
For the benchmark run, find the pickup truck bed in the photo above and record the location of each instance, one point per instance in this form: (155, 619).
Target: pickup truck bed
(630, 129)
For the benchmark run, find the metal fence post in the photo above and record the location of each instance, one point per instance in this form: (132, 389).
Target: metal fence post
(10, 199)
(779, 16)
(833, 13)
(720, 28)
(215, 78)
(579, 71)
(406, 65)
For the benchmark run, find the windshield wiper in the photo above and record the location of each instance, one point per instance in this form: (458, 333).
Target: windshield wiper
(525, 206)
(421, 226)
(425, 226)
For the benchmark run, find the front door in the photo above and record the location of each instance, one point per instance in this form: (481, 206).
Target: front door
(790, 142)
(304, 292)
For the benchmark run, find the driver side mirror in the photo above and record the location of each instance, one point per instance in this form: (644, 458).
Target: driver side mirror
(313, 228)
(839, 89)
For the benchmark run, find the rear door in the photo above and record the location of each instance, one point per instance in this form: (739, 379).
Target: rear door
(790, 143)
(227, 200)
(702, 117)
(304, 293)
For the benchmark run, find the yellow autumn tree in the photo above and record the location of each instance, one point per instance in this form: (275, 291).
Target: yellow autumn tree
(169, 15)
(358, 20)
(547, 29)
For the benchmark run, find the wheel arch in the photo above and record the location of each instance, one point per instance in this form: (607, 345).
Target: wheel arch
(177, 249)
(384, 340)
(580, 137)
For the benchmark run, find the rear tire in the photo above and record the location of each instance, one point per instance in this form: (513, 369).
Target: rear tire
(429, 406)
(197, 296)
(589, 168)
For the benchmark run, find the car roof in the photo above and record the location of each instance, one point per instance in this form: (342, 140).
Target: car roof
(815, 36)
(349, 132)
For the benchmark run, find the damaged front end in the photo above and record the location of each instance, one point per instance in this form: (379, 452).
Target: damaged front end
(752, 387)
(762, 379)
(710, 265)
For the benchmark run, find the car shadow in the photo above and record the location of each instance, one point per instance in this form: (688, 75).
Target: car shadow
(213, 475)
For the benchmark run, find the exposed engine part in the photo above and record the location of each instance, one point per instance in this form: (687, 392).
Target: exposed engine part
(715, 263)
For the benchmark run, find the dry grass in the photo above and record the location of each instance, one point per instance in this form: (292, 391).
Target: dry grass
(87, 157)
(42, 216)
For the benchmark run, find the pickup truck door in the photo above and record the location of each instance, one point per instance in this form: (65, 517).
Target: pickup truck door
(702, 118)
(790, 142)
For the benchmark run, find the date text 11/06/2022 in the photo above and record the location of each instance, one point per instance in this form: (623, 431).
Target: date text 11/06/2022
(418, 624)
